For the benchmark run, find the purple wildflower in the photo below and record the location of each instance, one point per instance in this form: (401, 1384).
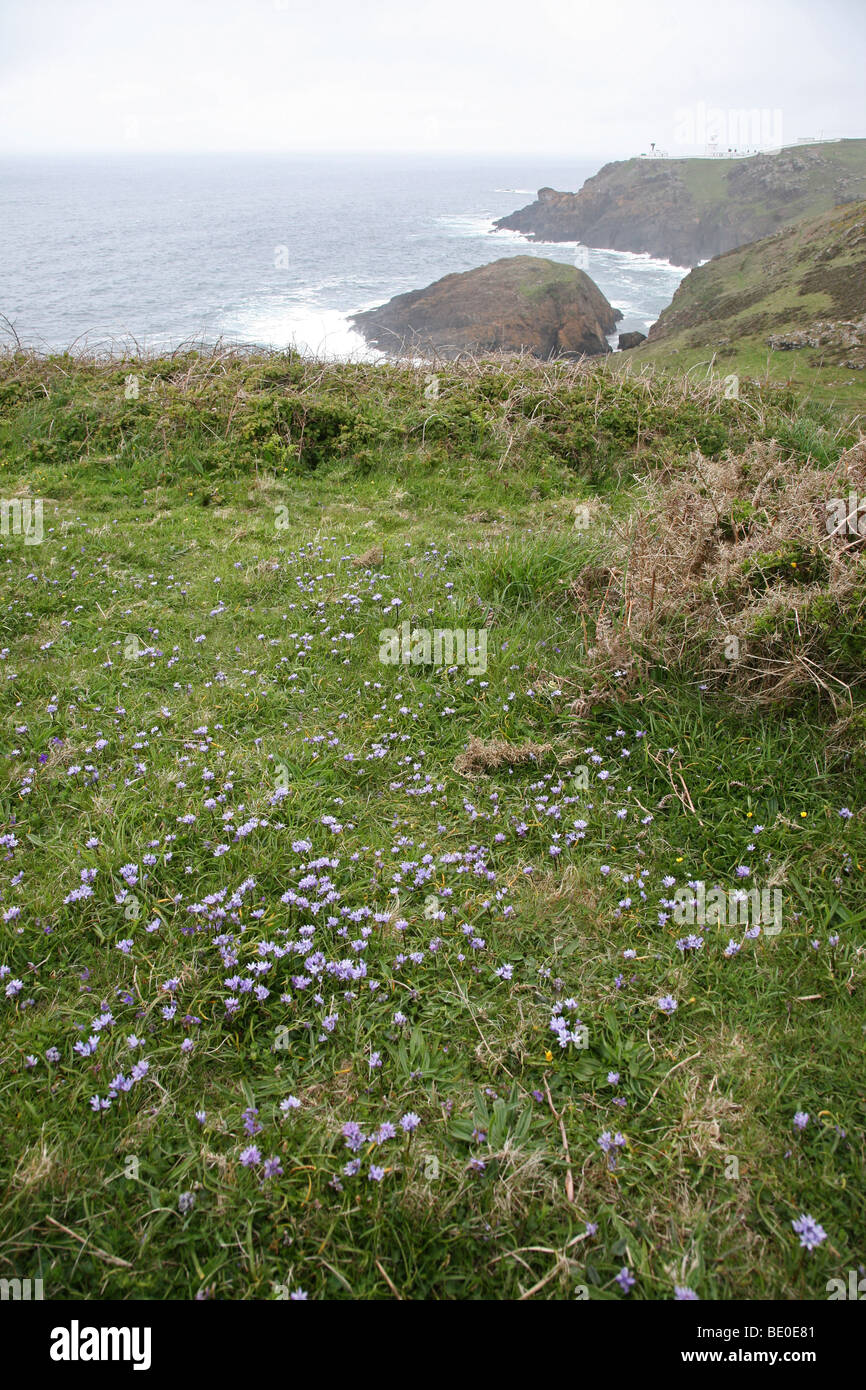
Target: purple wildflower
(810, 1233)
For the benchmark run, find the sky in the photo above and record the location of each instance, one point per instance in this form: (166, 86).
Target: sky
(583, 78)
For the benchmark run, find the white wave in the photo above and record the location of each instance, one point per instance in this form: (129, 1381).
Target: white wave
(644, 258)
(310, 329)
(507, 234)
(623, 258)
(466, 224)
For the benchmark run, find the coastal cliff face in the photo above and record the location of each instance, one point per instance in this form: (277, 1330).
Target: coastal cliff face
(519, 303)
(689, 210)
(640, 205)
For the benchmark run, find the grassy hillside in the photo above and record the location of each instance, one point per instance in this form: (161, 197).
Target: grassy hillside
(330, 976)
(823, 175)
(792, 306)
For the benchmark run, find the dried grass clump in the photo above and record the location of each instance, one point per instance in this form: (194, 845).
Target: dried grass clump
(736, 548)
(479, 757)
(371, 559)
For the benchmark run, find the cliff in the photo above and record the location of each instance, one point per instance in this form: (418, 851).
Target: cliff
(514, 304)
(689, 210)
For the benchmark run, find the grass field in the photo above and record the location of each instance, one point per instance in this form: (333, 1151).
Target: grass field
(325, 976)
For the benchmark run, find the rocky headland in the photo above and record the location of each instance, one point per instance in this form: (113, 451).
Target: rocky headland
(690, 210)
(519, 303)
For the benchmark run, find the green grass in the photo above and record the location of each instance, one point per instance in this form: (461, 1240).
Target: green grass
(275, 509)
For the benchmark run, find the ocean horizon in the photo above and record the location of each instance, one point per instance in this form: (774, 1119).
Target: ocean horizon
(151, 252)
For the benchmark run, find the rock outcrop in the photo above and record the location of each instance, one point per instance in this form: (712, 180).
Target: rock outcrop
(519, 303)
(844, 333)
(630, 340)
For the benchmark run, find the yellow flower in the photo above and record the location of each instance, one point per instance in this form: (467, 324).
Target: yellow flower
(548, 1056)
(802, 813)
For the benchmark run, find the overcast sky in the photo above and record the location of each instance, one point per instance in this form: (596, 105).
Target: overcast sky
(578, 77)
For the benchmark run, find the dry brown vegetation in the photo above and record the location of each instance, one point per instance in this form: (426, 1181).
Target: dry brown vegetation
(479, 757)
(739, 548)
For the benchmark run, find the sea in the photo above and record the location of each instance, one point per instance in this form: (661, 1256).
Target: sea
(108, 253)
